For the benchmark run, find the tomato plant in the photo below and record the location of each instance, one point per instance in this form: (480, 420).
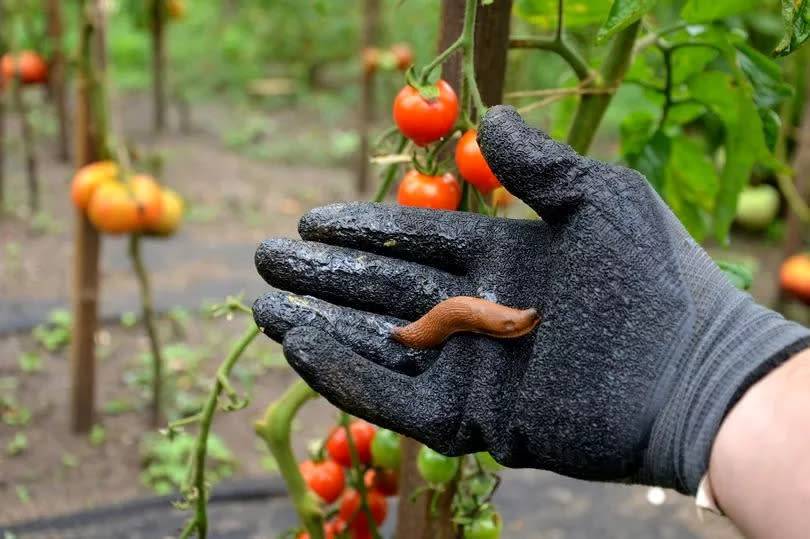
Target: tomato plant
(385, 449)
(440, 192)
(436, 468)
(338, 445)
(471, 163)
(350, 510)
(425, 120)
(325, 478)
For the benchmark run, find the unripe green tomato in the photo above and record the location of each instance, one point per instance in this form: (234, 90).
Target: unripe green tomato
(385, 451)
(480, 485)
(486, 526)
(757, 207)
(434, 467)
(488, 463)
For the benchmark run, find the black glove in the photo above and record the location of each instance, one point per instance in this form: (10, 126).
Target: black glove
(643, 346)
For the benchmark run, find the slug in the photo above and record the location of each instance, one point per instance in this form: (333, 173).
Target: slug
(463, 313)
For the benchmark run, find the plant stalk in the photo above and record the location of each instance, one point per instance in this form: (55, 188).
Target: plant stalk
(274, 428)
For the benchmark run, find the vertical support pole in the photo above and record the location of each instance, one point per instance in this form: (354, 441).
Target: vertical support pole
(158, 17)
(371, 23)
(87, 242)
(56, 75)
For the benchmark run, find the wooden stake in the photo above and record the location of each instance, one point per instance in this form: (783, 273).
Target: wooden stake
(29, 144)
(56, 76)
(3, 47)
(159, 64)
(371, 23)
(86, 240)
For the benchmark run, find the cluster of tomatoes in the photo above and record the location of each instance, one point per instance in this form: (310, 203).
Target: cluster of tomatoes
(427, 116)
(137, 205)
(398, 56)
(331, 475)
(30, 66)
(333, 478)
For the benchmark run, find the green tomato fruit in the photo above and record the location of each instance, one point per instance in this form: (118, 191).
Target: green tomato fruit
(757, 207)
(434, 467)
(486, 526)
(385, 451)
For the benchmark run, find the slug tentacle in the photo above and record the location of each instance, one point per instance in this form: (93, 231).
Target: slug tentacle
(467, 314)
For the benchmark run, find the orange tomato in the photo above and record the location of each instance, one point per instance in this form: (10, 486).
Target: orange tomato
(472, 165)
(31, 67)
(113, 209)
(148, 197)
(403, 54)
(371, 59)
(88, 178)
(437, 192)
(794, 276)
(171, 214)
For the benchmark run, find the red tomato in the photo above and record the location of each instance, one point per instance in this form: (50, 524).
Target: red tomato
(31, 67)
(422, 120)
(386, 481)
(437, 192)
(351, 510)
(329, 531)
(324, 478)
(338, 446)
(472, 165)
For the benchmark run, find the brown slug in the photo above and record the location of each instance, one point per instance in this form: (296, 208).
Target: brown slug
(464, 313)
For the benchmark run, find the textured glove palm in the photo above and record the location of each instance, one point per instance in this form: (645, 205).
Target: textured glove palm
(643, 346)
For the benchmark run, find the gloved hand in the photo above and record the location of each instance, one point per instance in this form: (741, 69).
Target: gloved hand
(643, 346)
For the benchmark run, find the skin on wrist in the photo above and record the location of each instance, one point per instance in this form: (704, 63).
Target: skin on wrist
(759, 468)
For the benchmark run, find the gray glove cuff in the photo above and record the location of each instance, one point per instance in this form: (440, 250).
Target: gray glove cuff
(740, 354)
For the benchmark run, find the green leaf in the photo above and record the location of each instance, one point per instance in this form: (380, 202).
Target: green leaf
(577, 13)
(691, 185)
(689, 61)
(682, 113)
(635, 131)
(708, 10)
(652, 160)
(796, 20)
(764, 74)
(771, 125)
(744, 140)
(622, 14)
(740, 276)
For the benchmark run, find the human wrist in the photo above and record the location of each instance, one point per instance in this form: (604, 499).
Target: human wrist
(759, 468)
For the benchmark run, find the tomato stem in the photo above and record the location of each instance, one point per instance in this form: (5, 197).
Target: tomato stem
(440, 59)
(149, 322)
(275, 428)
(359, 479)
(195, 473)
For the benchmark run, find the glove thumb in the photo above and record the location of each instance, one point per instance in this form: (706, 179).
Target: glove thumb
(546, 174)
